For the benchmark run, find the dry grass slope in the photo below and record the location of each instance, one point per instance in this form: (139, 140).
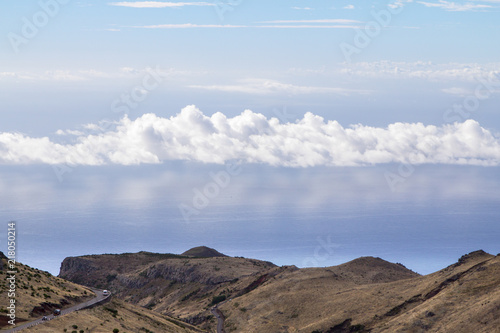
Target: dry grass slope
(464, 297)
(315, 298)
(369, 295)
(116, 315)
(37, 293)
(364, 295)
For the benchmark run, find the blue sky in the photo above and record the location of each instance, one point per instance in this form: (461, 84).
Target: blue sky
(86, 54)
(383, 94)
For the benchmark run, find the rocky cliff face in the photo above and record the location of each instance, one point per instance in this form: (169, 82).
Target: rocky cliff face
(78, 270)
(111, 270)
(2, 259)
(179, 285)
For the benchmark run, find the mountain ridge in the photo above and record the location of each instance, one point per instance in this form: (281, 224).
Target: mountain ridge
(367, 294)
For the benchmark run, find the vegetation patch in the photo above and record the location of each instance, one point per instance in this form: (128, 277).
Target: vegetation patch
(218, 299)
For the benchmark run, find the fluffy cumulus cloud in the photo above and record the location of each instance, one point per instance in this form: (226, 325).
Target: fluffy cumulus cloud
(252, 138)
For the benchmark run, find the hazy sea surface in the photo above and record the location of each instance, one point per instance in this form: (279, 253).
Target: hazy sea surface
(294, 217)
(423, 238)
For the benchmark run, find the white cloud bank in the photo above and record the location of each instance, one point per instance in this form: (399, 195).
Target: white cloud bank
(253, 138)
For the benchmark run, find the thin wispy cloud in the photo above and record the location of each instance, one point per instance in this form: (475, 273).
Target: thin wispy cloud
(266, 87)
(190, 26)
(349, 7)
(92, 74)
(458, 91)
(467, 72)
(337, 21)
(303, 26)
(158, 4)
(454, 6)
(398, 4)
(252, 138)
(302, 8)
(424, 70)
(259, 26)
(52, 75)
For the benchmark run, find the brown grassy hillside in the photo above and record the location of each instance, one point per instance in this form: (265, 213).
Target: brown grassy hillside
(364, 295)
(315, 298)
(359, 297)
(464, 297)
(117, 314)
(37, 293)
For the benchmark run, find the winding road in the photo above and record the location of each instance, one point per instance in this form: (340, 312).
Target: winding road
(99, 297)
(220, 317)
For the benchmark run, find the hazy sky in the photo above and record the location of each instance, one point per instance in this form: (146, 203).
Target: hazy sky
(379, 100)
(373, 63)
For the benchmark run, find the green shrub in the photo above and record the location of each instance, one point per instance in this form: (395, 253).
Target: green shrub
(218, 299)
(110, 277)
(113, 311)
(357, 328)
(191, 294)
